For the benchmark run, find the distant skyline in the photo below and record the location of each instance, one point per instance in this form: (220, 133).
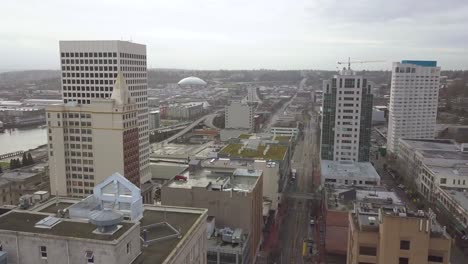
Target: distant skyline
(242, 34)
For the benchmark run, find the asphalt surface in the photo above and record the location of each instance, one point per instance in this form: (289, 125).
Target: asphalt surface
(295, 227)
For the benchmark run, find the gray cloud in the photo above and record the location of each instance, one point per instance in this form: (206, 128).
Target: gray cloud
(212, 34)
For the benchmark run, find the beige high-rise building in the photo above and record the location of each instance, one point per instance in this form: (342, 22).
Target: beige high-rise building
(89, 71)
(392, 234)
(89, 142)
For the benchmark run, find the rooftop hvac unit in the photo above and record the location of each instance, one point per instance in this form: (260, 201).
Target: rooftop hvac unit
(231, 236)
(106, 220)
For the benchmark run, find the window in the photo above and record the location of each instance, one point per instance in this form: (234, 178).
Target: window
(403, 260)
(368, 251)
(89, 256)
(432, 258)
(404, 244)
(43, 251)
(129, 247)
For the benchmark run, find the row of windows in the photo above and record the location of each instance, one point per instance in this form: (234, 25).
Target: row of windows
(86, 61)
(79, 168)
(89, 54)
(110, 68)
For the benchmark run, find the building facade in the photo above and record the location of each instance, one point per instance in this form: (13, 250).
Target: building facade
(413, 101)
(154, 119)
(234, 199)
(185, 111)
(89, 71)
(138, 234)
(88, 142)
(347, 117)
(393, 235)
(239, 115)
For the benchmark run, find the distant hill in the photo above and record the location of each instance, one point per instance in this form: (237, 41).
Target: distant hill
(15, 79)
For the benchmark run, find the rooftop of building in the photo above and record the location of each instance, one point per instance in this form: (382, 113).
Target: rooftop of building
(431, 144)
(343, 198)
(17, 175)
(242, 180)
(441, 154)
(285, 124)
(256, 149)
(182, 150)
(420, 63)
(367, 217)
(25, 221)
(450, 168)
(183, 219)
(348, 169)
(217, 244)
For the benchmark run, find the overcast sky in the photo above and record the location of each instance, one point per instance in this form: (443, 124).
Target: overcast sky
(241, 34)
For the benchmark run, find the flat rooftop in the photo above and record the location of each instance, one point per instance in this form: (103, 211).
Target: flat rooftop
(17, 175)
(347, 196)
(240, 180)
(181, 150)
(348, 169)
(53, 208)
(432, 144)
(444, 154)
(450, 169)
(239, 150)
(367, 217)
(180, 218)
(25, 221)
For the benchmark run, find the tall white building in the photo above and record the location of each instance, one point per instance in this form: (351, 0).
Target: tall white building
(89, 71)
(239, 115)
(347, 117)
(413, 101)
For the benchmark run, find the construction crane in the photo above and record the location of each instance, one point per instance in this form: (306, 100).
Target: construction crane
(349, 62)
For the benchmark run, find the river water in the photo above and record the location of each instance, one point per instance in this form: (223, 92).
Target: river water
(22, 139)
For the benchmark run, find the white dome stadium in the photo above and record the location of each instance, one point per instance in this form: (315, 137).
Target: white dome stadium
(191, 81)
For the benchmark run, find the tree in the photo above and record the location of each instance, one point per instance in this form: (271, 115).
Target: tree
(14, 164)
(30, 159)
(24, 161)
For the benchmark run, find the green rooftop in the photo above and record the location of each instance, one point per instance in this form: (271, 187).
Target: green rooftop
(283, 138)
(245, 136)
(275, 152)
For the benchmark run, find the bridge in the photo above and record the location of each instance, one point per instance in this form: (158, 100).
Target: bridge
(171, 128)
(11, 154)
(188, 128)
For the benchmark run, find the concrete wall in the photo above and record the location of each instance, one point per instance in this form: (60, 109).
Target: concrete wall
(239, 115)
(243, 210)
(195, 246)
(24, 248)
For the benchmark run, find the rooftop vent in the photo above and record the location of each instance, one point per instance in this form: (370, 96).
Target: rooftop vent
(48, 222)
(106, 220)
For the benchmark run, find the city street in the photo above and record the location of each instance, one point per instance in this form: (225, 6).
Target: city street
(296, 225)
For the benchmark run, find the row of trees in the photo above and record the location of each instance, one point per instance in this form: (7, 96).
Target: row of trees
(25, 161)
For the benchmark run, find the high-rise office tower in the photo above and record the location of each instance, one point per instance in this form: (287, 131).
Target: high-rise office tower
(413, 101)
(347, 117)
(89, 71)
